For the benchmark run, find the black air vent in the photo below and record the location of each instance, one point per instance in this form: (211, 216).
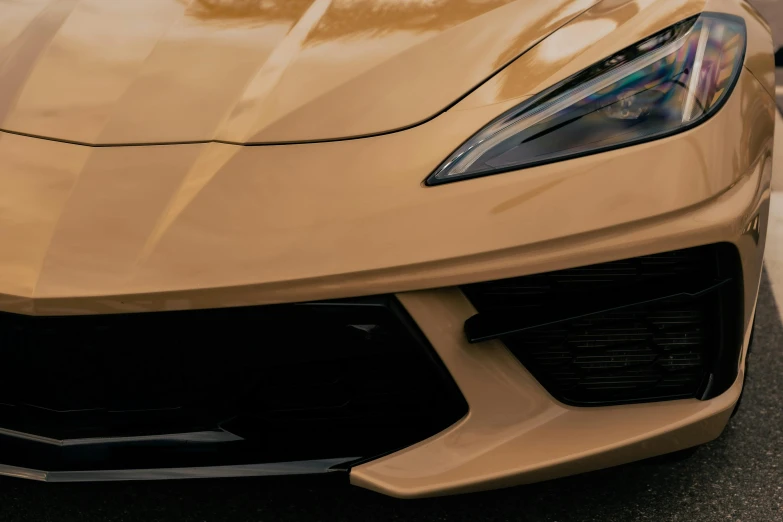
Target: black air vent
(348, 378)
(658, 327)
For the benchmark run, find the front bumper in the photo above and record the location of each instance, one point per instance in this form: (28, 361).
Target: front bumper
(516, 432)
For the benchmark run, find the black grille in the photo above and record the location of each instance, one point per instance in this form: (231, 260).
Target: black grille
(348, 378)
(654, 349)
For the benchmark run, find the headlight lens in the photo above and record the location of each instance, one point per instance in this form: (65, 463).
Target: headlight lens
(666, 83)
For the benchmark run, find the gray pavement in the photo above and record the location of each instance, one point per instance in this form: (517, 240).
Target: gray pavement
(738, 477)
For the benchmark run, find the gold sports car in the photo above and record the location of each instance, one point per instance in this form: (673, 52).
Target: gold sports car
(434, 245)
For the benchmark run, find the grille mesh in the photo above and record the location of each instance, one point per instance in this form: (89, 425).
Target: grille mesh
(296, 382)
(663, 350)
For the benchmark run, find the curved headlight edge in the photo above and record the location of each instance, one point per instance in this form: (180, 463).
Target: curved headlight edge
(664, 84)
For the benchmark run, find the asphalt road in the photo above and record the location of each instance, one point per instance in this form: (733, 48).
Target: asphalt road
(737, 477)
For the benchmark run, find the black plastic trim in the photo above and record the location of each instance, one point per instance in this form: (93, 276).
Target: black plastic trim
(256, 385)
(703, 282)
(484, 327)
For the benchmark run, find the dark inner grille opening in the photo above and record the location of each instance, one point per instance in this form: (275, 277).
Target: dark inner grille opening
(347, 378)
(665, 349)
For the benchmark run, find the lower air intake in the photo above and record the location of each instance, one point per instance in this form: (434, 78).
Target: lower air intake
(659, 327)
(283, 383)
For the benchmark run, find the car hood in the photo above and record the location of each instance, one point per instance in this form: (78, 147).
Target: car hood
(252, 71)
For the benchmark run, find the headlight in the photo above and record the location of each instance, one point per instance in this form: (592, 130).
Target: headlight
(664, 84)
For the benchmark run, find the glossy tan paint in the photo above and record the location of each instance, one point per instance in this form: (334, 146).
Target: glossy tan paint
(515, 431)
(140, 71)
(100, 230)
(151, 71)
(144, 228)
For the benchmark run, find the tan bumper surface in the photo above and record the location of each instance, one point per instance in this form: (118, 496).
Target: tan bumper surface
(515, 431)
